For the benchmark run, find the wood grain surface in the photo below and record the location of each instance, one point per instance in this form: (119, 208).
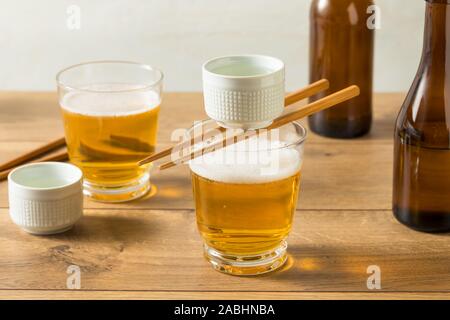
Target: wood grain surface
(150, 249)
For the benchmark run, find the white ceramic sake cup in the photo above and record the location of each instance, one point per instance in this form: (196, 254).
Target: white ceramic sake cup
(244, 91)
(46, 197)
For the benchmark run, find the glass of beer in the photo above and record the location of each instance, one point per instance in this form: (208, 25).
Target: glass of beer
(110, 111)
(245, 198)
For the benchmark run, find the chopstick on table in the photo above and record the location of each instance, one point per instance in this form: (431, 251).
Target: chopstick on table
(319, 105)
(290, 99)
(53, 145)
(63, 156)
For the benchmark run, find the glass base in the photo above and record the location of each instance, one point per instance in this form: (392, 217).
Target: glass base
(240, 265)
(121, 193)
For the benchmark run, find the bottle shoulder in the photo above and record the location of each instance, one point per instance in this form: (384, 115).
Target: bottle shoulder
(424, 117)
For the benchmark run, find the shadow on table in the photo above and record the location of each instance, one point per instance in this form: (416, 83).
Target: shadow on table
(109, 228)
(322, 267)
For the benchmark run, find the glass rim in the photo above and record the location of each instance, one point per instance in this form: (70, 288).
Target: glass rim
(297, 142)
(145, 87)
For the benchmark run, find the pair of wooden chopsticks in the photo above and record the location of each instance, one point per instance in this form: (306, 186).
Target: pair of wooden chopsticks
(319, 105)
(8, 166)
(292, 98)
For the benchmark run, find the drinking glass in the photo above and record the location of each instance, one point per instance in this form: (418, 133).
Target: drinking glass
(245, 198)
(110, 112)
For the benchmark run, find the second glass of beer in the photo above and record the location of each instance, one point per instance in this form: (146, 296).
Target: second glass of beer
(245, 197)
(110, 111)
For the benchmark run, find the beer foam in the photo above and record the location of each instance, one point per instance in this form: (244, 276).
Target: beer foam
(247, 162)
(97, 100)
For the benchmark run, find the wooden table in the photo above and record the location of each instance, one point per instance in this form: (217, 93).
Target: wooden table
(150, 248)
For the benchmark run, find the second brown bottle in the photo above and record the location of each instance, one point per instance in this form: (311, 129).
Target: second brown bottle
(341, 50)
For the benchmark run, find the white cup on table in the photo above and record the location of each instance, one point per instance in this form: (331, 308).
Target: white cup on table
(46, 197)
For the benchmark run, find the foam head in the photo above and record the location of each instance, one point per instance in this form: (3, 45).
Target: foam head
(256, 160)
(110, 100)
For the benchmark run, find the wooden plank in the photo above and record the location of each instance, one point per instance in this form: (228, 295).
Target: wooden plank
(152, 250)
(26, 116)
(328, 182)
(335, 176)
(137, 250)
(214, 295)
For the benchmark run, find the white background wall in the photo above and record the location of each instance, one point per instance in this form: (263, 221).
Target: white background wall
(178, 35)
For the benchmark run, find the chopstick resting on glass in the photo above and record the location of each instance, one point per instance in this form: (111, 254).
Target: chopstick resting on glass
(290, 99)
(319, 105)
(5, 168)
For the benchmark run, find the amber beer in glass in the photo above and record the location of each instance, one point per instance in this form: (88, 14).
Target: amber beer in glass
(245, 197)
(421, 193)
(341, 50)
(110, 112)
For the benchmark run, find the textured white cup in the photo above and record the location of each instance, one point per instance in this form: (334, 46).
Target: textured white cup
(244, 91)
(45, 197)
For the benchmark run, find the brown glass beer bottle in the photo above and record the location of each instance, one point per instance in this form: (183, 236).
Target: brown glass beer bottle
(341, 50)
(421, 194)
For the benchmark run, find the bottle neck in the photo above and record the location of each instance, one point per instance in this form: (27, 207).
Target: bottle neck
(437, 32)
